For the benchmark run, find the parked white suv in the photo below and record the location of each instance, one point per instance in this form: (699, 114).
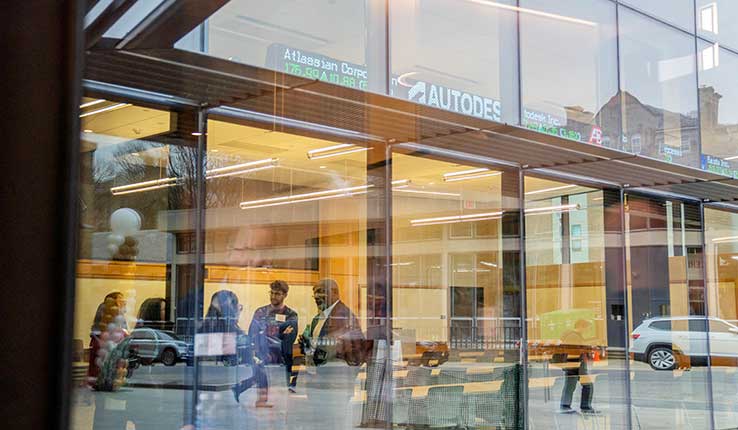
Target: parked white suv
(666, 342)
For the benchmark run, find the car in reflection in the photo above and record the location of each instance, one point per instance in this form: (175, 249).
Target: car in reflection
(151, 345)
(668, 343)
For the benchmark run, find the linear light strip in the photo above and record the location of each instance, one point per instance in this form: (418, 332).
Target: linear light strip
(485, 216)
(105, 109)
(435, 193)
(470, 177)
(535, 12)
(138, 190)
(546, 190)
(310, 199)
(144, 184)
(559, 208)
(239, 172)
(336, 154)
(456, 218)
(92, 103)
(236, 169)
(290, 198)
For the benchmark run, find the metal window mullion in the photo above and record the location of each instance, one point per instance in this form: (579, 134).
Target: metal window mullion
(523, 300)
(711, 405)
(626, 311)
(199, 247)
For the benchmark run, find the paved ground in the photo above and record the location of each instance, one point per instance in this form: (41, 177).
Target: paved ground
(661, 400)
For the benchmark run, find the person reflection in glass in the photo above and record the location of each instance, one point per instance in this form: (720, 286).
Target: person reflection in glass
(575, 340)
(333, 347)
(273, 331)
(222, 318)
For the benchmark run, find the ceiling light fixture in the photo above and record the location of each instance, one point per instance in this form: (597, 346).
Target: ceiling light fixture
(456, 219)
(535, 12)
(306, 197)
(552, 209)
(105, 109)
(546, 190)
(144, 186)
(335, 150)
(92, 103)
(732, 158)
(487, 215)
(433, 193)
(466, 175)
(238, 169)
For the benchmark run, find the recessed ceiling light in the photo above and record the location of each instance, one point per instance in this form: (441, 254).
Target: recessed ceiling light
(322, 167)
(196, 133)
(214, 150)
(135, 153)
(87, 130)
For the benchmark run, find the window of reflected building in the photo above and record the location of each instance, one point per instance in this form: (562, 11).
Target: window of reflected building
(659, 95)
(667, 328)
(718, 108)
(715, 21)
(675, 12)
(571, 93)
(460, 57)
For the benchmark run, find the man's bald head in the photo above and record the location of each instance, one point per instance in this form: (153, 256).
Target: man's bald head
(325, 293)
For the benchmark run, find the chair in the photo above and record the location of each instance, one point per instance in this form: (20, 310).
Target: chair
(401, 406)
(452, 376)
(418, 376)
(445, 406)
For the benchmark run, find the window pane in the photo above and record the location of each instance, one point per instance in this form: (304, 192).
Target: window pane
(571, 92)
(468, 320)
(458, 56)
(718, 108)
(136, 196)
(721, 230)
(324, 40)
(659, 91)
(716, 21)
(575, 325)
(663, 259)
(677, 12)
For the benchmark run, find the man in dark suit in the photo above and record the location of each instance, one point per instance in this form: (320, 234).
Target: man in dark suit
(333, 345)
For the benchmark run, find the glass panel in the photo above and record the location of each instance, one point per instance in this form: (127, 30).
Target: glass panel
(571, 93)
(137, 205)
(575, 321)
(659, 92)
(458, 56)
(716, 21)
(677, 12)
(287, 249)
(325, 40)
(721, 246)
(718, 108)
(458, 333)
(664, 258)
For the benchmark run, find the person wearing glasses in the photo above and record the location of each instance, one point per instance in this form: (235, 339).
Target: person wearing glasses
(273, 331)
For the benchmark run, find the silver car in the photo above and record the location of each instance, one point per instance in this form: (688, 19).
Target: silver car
(153, 345)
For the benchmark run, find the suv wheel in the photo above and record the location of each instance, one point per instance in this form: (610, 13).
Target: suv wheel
(169, 357)
(662, 358)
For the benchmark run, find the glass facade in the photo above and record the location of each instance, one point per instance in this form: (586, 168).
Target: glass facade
(337, 214)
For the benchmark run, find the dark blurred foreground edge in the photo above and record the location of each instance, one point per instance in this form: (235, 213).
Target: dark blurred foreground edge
(40, 59)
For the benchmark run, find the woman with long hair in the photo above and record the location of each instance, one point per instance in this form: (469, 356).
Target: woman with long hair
(222, 317)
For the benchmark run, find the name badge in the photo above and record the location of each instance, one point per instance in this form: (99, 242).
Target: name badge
(280, 317)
